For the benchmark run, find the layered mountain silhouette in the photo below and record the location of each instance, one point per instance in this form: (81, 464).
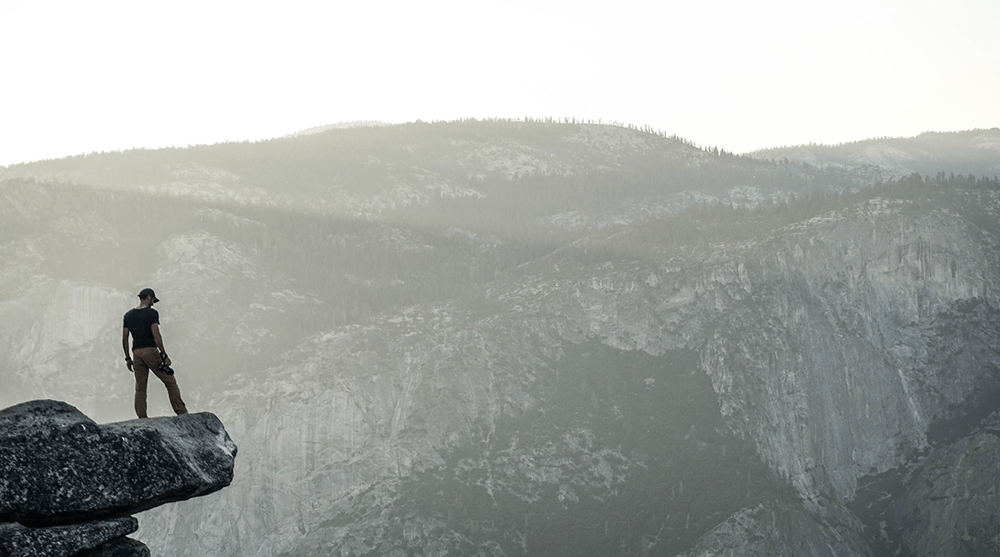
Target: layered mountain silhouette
(537, 337)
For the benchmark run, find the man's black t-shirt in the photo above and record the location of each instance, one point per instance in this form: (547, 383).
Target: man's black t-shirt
(139, 322)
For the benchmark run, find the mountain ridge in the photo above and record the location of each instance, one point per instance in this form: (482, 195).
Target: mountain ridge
(477, 374)
(927, 153)
(453, 156)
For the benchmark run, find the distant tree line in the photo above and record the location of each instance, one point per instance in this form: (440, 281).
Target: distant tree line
(699, 226)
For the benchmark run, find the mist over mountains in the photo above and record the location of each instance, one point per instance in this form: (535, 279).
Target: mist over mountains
(537, 337)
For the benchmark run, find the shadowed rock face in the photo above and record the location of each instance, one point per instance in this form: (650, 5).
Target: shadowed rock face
(17, 540)
(951, 504)
(119, 547)
(67, 484)
(783, 529)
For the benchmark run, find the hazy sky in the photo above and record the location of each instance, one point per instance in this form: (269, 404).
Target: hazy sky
(79, 77)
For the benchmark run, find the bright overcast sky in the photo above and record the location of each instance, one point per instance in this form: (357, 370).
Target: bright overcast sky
(79, 77)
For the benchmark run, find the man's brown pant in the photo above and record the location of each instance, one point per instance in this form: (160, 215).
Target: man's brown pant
(145, 360)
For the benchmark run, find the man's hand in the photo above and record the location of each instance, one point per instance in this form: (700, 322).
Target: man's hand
(128, 359)
(167, 360)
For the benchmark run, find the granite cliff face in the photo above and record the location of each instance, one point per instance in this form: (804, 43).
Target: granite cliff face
(68, 485)
(858, 315)
(827, 351)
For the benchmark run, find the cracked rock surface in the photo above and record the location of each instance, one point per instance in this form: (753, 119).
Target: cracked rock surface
(68, 484)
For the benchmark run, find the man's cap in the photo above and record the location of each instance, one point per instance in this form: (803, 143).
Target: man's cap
(148, 292)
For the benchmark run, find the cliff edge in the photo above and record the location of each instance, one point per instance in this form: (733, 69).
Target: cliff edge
(68, 486)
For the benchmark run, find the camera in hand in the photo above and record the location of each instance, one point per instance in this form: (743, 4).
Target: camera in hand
(165, 368)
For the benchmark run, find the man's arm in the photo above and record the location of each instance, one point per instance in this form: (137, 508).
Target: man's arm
(159, 342)
(128, 359)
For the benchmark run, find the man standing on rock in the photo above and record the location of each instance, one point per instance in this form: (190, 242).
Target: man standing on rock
(143, 323)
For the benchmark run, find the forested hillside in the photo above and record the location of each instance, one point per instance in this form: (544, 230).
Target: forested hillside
(552, 168)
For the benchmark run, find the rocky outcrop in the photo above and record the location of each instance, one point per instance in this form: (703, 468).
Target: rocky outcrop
(68, 485)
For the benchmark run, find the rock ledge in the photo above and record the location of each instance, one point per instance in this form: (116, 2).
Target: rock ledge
(68, 485)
